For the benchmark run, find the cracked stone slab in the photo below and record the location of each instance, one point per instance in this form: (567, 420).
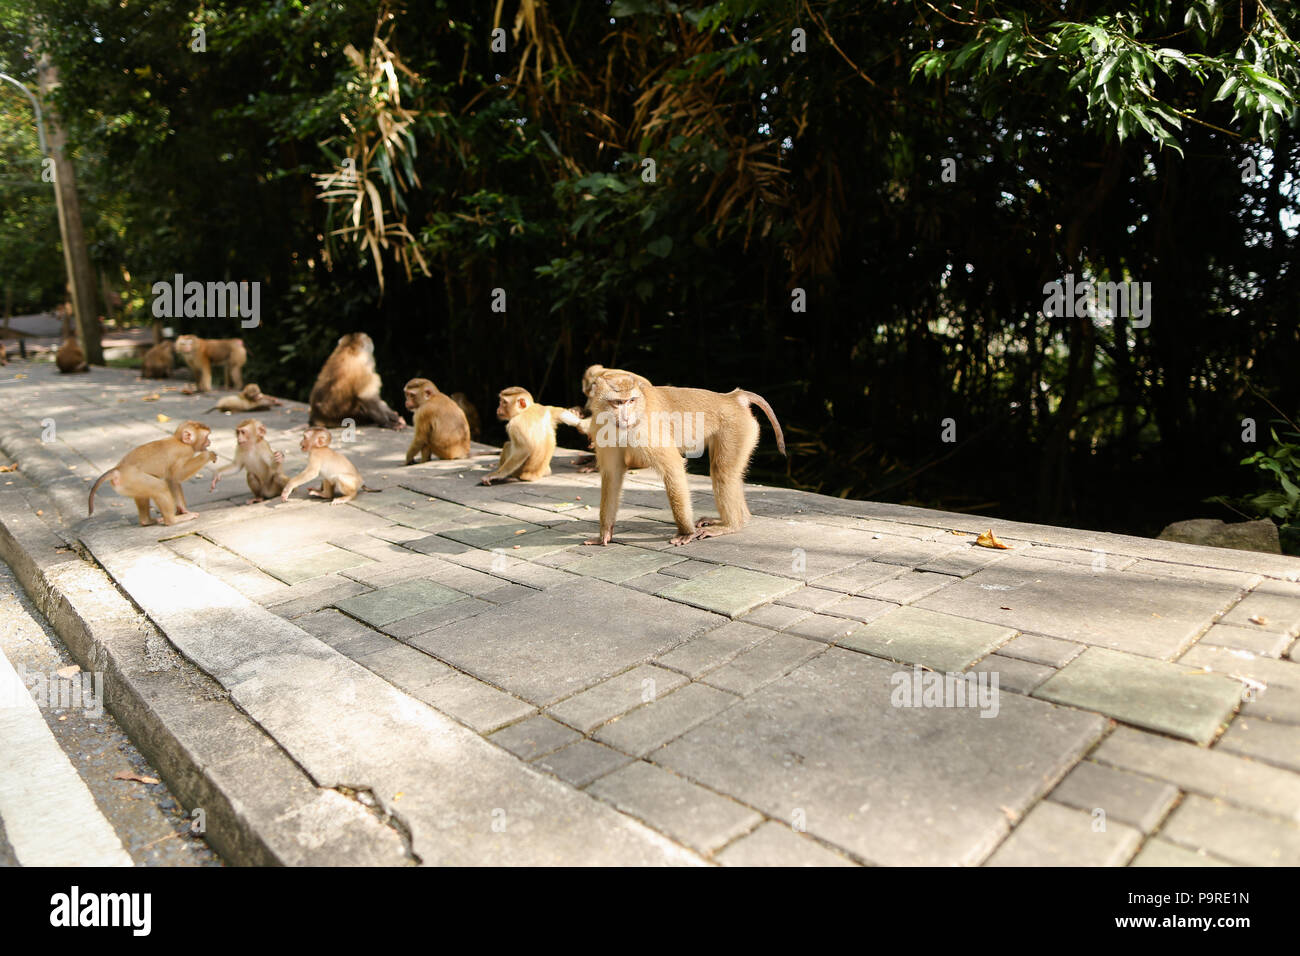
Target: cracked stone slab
(613, 698)
(677, 807)
(765, 662)
(1139, 613)
(729, 591)
(772, 844)
(893, 785)
(565, 639)
(1053, 835)
(708, 651)
(939, 641)
(1153, 694)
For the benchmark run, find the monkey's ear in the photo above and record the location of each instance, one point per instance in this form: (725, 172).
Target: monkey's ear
(187, 435)
(261, 430)
(428, 391)
(523, 402)
(322, 439)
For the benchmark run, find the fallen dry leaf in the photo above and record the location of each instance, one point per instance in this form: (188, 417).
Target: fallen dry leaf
(19, 375)
(128, 775)
(152, 398)
(959, 532)
(1005, 608)
(1259, 619)
(68, 671)
(13, 467)
(39, 512)
(522, 531)
(164, 418)
(989, 540)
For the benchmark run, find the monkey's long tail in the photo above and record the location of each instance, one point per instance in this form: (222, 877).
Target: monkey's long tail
(90, 502)
(756, 399)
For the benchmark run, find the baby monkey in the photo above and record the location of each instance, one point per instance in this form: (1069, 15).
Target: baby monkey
(250, 399)
(154, 472)
(531, 430)
(266, 478)
(441, 427)
(340, 480)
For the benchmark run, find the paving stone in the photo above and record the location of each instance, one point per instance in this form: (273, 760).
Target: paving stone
(1279, 704)
(907, 587)
(434, 544)
(468, 580)
(618, 695)
(344, 634)
(763, 663)
(582, 762)
(675, 807)
(1125, 797)
(547, 542)
(408, 669)
(1213, 773)
(651, 583)
(689, 568)
(620, 564)
(668, 716)
(489, 531)
(314, 594)
(811, 598)
(565, 639)
(963, 564)
(327, 560)
(534, 576)
(386, 605)
(824, 628)
(775, 845)
(1138, 613)
(774, 616)
(398, 534)
(858, 608)
(1256, 640)
(784, 548)
(1042, 650)
(891, 785)
(1238, 836)
(534, 737)
(1160, 852)
(396, 570)
(1278, 744)
(939, 641)
(411, 629)
(507, 593)
(1276, 603)
(1019, 677)
(1238, 664)
(729, 591)
(371, 547)
(1053, 835)
(1152, 694)
(293, 528)
(709, 651)
(857, 578)
(1238, 579)
(913, 554)
(479, 706)
(1099, 561)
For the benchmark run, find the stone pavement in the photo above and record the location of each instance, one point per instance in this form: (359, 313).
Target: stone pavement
(441, 673)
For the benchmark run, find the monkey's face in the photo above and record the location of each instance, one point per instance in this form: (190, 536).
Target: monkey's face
(185, 344)
(511, 405)
(252, 393)
(315, 438)
(418, 391)
(244, 435)
(620, 398)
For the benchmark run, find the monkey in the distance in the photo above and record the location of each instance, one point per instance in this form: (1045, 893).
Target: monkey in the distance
(340, 480)
(201, 354)
(665, 423)
(250, 399)
(154, 472)
(159, 360)
(471, 414)
(441, 428)
(531, 430)
(70, 358)
(348, 387)
(4, 355)
(261, 465)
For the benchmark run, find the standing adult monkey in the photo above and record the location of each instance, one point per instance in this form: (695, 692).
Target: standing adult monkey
(531, 430)
(348, 387)
(664, 423)
(201, 354)
(154, 472)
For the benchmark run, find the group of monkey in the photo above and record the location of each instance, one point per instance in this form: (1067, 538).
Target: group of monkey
(623, 422)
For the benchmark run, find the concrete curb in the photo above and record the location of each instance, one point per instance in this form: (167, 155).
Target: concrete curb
(259, 807)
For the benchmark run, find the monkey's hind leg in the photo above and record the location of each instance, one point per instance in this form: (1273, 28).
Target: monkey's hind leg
(326, 490)
(728, 460)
